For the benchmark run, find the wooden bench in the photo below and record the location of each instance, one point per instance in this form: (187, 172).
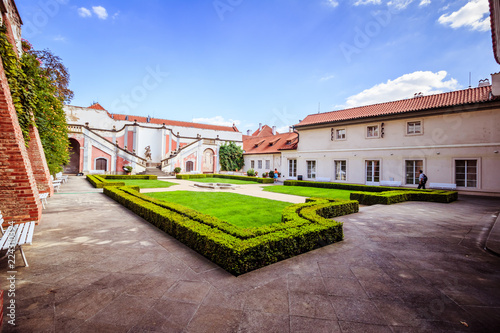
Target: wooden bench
(14, 238)
(390, 183)
(443, 186)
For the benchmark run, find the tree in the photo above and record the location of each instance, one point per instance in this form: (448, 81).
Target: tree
(231, 157)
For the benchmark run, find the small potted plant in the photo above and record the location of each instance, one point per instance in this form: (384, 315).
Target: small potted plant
(177, 170)
(265, 174)
(127, 169)
(250, 172)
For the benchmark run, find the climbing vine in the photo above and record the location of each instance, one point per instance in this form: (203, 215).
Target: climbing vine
(231, 157)
(38, 97)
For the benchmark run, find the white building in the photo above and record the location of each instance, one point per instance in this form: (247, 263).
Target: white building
(106, 142)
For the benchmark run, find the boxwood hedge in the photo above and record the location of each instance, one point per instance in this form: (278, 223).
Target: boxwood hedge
(303, 228)
(99, 181)
(371, 195)
(251, 179)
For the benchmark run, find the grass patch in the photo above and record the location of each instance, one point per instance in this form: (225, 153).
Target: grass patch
(143, 183)
(222, 181)
(240, 210)
(310, 191)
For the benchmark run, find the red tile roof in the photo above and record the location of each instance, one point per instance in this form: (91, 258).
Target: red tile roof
(454, 98)
(264, 131)
(270, 144)
(97, 106)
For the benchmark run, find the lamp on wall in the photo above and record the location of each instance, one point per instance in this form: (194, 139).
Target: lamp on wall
(438, 153)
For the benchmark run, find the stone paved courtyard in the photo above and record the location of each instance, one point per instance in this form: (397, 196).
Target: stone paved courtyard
(410, 267)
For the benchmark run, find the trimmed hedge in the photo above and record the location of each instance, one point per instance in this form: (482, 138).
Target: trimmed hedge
(371, 195)
(305, 227)
(99, 181)
(251, 179)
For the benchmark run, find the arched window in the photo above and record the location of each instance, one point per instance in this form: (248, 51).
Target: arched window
(189, 166)
(101, 164)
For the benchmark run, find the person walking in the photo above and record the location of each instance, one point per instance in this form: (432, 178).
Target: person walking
(275, 175)
(422, 179)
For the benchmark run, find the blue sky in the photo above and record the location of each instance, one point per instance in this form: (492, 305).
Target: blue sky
(250, 62)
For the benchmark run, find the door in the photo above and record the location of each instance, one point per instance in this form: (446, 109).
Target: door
(208, 161)
(372, 172)
(189, 166)
(101, 164)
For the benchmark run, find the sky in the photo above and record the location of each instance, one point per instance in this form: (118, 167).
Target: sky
(247, 62)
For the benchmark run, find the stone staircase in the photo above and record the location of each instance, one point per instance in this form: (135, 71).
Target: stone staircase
(154, 171)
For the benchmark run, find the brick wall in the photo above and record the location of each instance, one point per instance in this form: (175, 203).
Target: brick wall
(39, 163)
(19, 199)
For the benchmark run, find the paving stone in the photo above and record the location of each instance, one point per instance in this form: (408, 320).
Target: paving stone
(255, 321)
(306, 325)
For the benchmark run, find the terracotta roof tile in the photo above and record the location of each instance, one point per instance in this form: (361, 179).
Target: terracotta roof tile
(97, 106)
(454, 98)
(265, 131)
(270, 144)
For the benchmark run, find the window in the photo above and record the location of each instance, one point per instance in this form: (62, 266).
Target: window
(292, 168)
(311, 169)
(372, 131)
(412, 171)
(189, 166)
(372, 172)
(466, 173)
(259, 164)
(340, 170)
(101, 164)
(268, 164)
(252, 164)
(414, 127)
(340, 134)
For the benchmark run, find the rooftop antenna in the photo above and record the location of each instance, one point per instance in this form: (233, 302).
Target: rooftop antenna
(470, 79)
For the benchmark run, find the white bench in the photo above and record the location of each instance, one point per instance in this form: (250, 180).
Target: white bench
(60, 176)
(390, 183)
(323, 179)
(14, 238)
(56, 183)
(43, 198)
(443, 186)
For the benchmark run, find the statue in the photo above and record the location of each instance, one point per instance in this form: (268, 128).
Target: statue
(148, 153)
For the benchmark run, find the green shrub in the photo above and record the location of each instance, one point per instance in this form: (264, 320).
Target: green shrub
(371, 195)
(305, 227)
(177, 170)
(99, 181)
(251, 179)
(250, 172)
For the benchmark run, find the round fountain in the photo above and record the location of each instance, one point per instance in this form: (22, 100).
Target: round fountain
(217, 186)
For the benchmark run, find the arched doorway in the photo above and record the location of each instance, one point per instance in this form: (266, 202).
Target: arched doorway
(189, 166)
(208, 161)
(74, 157)
(101, 164)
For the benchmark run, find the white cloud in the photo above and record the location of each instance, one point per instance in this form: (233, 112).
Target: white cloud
(424, 3)
(474, 14)
(59, 38)
(367, 2)
(332, 3)
(100, 12)
(403, 87)
(84, 12)
(399, 4)
(217, 120)
(326, 78)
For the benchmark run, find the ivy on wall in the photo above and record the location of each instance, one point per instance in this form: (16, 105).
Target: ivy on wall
(231, 157)
(36, 93)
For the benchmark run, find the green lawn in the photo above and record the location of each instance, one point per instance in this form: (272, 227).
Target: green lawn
(142, 183)
(241, 210)
(222, 181)
(310, 191)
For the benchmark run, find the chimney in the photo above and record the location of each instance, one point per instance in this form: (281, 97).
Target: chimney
(495, 84)
(484, 83)
(290, 129)
(249, 132)
(260, 127)
(274, 130)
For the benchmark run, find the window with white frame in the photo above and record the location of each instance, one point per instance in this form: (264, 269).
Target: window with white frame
(340, 134)
(466, 173)
(292, 168)
(372, 131)
(311, 169)
(259, 164)
(340, 170)
(414, 127)
(413, 168)
(268, 164)
(252, 164)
